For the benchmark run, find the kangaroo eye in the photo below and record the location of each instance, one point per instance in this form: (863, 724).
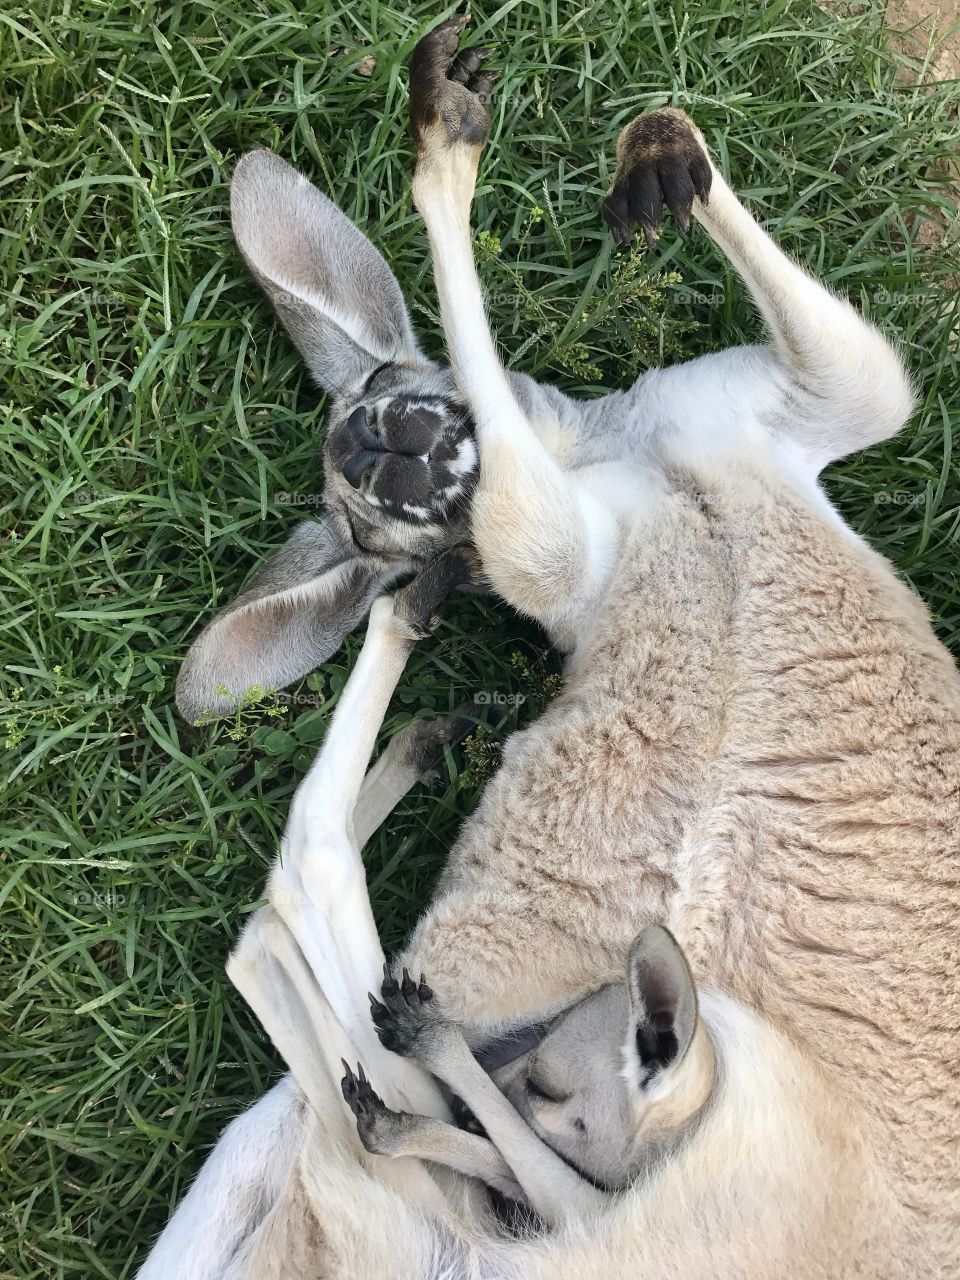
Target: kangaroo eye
(535, 1091)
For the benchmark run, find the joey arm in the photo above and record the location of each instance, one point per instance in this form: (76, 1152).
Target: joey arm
(398, 1133)
(409, 1024)
(555, 1190)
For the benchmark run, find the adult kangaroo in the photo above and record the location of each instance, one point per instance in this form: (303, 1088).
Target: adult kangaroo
(757, 745)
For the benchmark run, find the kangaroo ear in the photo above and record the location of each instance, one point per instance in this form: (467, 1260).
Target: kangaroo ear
(337, 298)
(663, 1001)
(294, 613)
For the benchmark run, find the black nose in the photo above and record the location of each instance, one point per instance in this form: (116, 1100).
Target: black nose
(360, 433)
(358, 464)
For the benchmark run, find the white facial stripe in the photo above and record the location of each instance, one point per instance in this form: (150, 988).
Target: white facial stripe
(438, 407)
(407, 404)
(466, 458)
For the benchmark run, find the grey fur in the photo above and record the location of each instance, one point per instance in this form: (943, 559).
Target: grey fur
(584, 1091)
(343, 308)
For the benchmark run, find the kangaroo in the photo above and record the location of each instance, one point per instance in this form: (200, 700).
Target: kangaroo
(611, 1084)
(572, 1115)
(757, 746)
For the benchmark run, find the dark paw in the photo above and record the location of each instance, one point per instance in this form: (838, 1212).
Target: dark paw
(416, 604)
(449, 89)
(367, 1106)
(358, 1092)
(660, 161)
(403, 1015)
(420, 746)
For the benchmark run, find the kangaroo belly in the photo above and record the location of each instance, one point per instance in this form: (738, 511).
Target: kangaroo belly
(759, 746)
(834, 842)
(575, 840)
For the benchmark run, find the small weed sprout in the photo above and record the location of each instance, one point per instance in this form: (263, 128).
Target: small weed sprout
(251, 709)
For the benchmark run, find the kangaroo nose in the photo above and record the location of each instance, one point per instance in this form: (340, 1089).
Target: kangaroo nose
(360, 433)
(358, 464)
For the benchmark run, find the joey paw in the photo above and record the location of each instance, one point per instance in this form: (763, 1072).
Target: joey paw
(357, 1091)
(405, 1016)
(367, 1106)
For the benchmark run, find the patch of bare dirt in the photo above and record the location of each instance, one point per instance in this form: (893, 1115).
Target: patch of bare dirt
(916, 26)
(917, 20)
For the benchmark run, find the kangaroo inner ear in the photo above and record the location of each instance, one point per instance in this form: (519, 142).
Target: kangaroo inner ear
(663, 1000)
(292, 616)
(337, 298)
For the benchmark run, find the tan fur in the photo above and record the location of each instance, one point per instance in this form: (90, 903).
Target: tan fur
(757, 744)
(760, 745)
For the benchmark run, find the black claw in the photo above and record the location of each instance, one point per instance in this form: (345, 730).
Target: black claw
(616, 216)
(348, 1087)
(408, 987)
(358, 1092)
(677, 186)
(702, 178)
(466, 64)
(423, 991)
(482, 85)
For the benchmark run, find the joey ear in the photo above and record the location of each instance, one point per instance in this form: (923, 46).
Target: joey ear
(292, 615)
(337, 298)
(663, 1000)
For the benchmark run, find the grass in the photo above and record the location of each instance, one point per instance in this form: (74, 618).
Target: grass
(154, 420)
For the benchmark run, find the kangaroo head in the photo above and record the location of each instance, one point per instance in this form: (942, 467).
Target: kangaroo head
(621, 1074)
(399, 457)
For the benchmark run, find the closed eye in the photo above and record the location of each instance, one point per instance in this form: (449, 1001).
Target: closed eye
(364, 390)
(537, 1091)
